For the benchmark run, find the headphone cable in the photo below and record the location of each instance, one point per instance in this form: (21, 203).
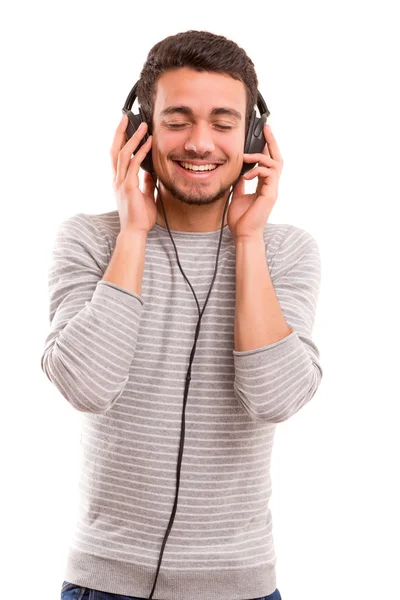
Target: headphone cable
(188, 375)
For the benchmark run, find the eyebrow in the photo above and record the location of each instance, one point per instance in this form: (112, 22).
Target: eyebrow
(186, 110)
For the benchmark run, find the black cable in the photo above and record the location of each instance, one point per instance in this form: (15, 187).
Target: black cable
(188, 375)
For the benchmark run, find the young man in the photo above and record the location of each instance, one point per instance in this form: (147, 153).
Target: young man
(124, 330)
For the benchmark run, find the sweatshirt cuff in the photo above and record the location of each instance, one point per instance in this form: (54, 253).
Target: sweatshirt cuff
(118, 293)
(286, 340)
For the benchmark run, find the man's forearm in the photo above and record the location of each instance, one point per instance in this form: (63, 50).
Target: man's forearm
(127, 262)
(259, 320)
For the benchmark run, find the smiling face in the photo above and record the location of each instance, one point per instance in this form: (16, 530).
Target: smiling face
(198, 118)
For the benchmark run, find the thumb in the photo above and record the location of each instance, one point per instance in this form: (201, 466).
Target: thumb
(239, 188)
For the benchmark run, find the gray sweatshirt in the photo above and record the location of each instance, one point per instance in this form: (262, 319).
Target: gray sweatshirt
(121, 360)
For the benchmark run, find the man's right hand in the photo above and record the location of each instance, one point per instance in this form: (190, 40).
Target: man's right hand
(137, 209)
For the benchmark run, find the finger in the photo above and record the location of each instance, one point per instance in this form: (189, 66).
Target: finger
(124, 155)
(266, 138)
(132, 175)
(260, 172)
(273, 147)
(119, 141)
(260, 158)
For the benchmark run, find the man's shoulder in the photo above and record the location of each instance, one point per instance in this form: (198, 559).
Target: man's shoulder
(97, 229)
(284, 234)
(106, 223)
(287, 244)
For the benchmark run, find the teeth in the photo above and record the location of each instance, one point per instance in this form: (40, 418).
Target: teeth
(190, 167)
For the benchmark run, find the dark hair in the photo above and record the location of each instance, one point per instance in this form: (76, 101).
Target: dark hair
(200, 51)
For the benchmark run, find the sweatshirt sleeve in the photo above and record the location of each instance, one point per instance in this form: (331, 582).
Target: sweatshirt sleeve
(272, 383)
(93, 323)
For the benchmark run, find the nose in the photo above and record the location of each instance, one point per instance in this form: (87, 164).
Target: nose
(200, 139)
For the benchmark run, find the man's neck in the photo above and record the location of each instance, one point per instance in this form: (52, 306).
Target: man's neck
(198, 226)
(180, 220)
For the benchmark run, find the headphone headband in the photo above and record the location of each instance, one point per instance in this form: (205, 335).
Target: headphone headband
(131, 97)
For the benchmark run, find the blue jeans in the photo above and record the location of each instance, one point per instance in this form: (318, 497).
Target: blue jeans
(70, 591)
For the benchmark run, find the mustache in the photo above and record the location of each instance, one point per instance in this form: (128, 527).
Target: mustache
(207, 158)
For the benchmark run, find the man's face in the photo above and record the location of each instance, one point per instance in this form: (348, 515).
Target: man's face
(185, 129)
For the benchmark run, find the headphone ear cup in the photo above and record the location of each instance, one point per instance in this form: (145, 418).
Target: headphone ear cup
(147, 162)
(134, 121)
(255, 140)
(245, 166)
(250, 130)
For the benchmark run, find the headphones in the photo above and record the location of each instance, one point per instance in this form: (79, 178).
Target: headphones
(254, 140)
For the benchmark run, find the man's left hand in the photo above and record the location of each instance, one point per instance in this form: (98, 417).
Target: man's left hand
(249, 213)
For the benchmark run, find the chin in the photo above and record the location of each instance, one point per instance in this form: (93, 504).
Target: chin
(193, 193)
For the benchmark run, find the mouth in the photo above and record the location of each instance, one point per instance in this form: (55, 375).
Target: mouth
(200, 175)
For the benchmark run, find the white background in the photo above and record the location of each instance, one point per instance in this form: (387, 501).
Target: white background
(329, 74)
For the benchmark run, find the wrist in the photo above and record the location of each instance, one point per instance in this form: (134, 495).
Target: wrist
(129, 233)
(250, 240)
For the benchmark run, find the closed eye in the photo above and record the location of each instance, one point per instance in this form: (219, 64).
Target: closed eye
(178, 126)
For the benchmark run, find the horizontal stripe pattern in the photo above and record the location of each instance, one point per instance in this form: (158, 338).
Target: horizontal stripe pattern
(121, 359)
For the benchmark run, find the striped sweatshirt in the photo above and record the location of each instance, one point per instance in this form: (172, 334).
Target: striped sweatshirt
(121, 360)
